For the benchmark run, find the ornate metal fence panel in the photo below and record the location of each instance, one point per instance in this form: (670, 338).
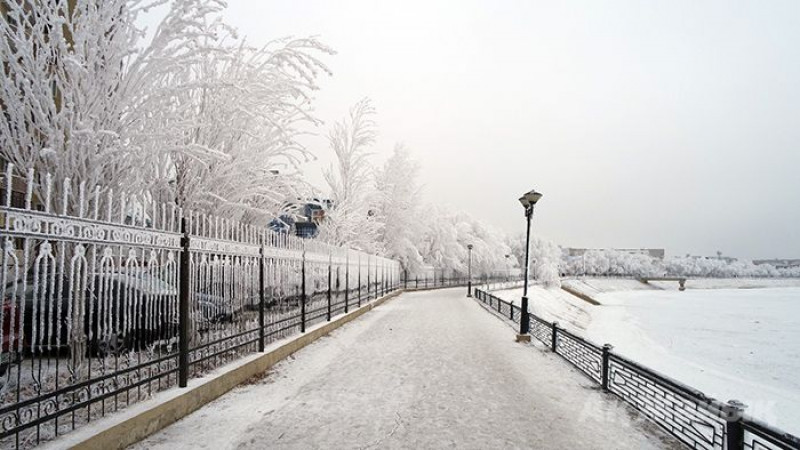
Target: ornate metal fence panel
(89, 304)
(760, 436)
(224, 259)
(541, 329)
(92, 287)
(688, 415)
(580, 353)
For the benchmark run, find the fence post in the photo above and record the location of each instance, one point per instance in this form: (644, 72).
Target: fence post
(405, 279)
(261, 302)
(512, 311)
(183, 309)
(734, 431)
(347, 284)
(554, 344)
(606, 353)
(330, 266)
(416, 278)
(303, 293)
(499, 306)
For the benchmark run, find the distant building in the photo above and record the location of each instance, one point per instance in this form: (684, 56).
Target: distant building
(779, 263)
(657, 253)
(303, 217)
(727, 259)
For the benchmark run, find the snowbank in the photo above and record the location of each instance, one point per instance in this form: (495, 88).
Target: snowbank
(554, 305)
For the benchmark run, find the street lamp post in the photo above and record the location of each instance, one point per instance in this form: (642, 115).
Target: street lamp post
(528, 201)
(469, 271)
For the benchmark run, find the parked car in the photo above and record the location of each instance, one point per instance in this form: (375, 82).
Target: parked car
(123, 311)
(9, 349)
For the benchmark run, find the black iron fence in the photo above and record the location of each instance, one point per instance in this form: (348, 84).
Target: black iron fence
(693, 418)
(108, 298)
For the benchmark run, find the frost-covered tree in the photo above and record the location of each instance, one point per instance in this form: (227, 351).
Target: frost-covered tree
(78, 77)
(86, 96)
(545, 258)
(489, 248)
(242, 108)
(398, 207)
(444, 240)
(697, 266)
(67, 72)
(352, 220)
(438, 243)
(604, 262)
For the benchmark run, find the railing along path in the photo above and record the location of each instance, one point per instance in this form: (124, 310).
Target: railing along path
(695, 419)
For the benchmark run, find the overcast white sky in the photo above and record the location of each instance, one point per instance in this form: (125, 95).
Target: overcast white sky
(670, 124)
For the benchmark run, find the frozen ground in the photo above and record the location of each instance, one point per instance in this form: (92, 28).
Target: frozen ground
(741, 343)
(426, 370)
(592, 286)
(729, 343)
(732, 283)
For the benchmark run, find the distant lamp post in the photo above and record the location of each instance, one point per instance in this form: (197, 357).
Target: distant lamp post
(528, 201)
(469, 271)
(508, 269)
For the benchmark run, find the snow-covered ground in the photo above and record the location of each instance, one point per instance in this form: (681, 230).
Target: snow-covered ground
(592, 286)
(728, 343)
(427, 370)
(731, 283)
(553, 305)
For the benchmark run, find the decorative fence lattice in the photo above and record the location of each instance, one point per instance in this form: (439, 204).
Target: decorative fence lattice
(582, 354)
(686, 413)
(108, 298)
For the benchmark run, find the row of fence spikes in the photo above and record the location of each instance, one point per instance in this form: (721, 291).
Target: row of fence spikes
(214, 227)
(153, 212)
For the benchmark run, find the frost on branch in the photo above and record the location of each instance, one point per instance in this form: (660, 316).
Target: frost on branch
(86, 97)
(398, 209)
(352, 220)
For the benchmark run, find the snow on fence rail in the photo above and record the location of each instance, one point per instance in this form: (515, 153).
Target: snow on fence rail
(108, 298)
(693, 418)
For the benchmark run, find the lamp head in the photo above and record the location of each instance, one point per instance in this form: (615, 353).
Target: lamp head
(533, 197)
(469, 246)
(530, 198)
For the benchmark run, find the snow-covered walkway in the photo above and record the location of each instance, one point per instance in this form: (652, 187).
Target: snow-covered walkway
(425, 370)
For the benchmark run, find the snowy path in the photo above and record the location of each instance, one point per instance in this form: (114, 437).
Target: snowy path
(425, 370)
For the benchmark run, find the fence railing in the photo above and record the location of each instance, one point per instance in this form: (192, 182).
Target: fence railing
(686, 413)
(108, 298)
